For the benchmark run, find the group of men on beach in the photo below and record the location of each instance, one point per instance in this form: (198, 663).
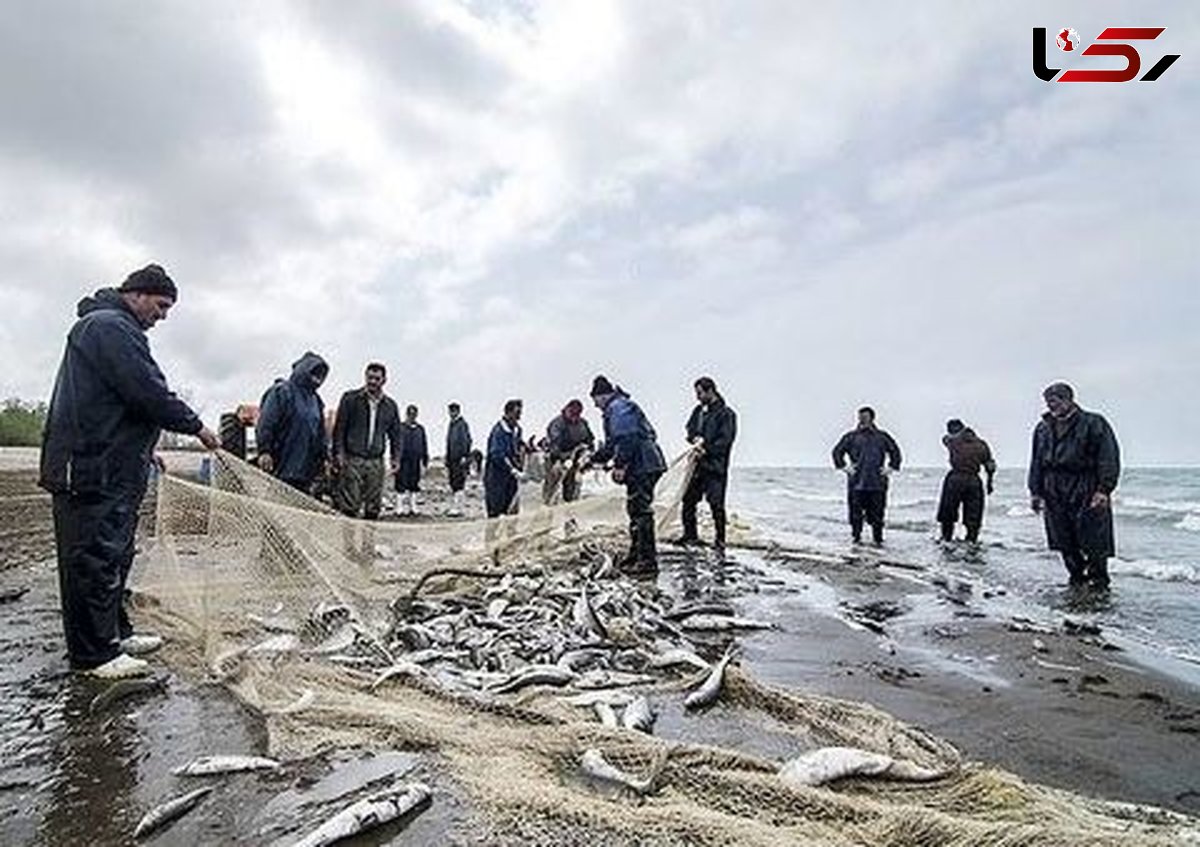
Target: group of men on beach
(110, 403)
(1074, 467)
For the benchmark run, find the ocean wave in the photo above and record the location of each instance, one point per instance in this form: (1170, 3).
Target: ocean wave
(806, 496)
(1155, 570)
(1190, 523)
(1179, 507)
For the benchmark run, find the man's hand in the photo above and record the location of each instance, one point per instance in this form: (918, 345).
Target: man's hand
(265, 463)
(618, 476)
(886, 471)
(209, 438)
(847, 469)
(1035, 503)
(1099, 500)
(989, 486)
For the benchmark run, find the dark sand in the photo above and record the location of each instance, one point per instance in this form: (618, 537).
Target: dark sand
(1105, 726)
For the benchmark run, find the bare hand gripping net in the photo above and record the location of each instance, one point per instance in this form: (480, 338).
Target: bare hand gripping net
(476, 643)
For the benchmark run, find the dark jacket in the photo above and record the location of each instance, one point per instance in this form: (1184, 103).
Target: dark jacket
(413, 445)
(291, 423)
(504, 452)
(1071, 461)
(629, 439)
(1082, 450)
(353, 424)
(458, 440)
(109, 405)
(969, 453)
(563, 437)
(717, 425)
(868, 449)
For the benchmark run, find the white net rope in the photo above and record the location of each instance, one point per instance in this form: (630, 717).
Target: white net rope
(470, 641)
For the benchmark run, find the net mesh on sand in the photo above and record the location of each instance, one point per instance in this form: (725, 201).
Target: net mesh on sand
(470, 641)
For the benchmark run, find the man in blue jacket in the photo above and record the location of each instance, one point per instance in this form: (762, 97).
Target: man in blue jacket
(873, 456)
(110, 404)
(503, 468)
(631, 444)
(291, 438)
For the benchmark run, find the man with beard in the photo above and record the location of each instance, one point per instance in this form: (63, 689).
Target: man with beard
(711, 430)
(961, 487)
(1073, 471)
(366, 419)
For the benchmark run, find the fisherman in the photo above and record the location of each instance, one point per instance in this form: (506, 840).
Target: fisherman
(631, 445)
(290, 433)
(873, 457)
(1075, 466)
(458, 457)
(414, 459)
(711, 430)
(961, 487)
(366, 418)
(109, 405)
(503, 469)
(568, 441)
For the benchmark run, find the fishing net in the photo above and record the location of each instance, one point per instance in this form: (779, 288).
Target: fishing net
(415, 635)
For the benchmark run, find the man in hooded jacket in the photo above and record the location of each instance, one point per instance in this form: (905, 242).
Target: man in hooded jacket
(711, 430)
(962, 488)
(290, 434)
(1073, 471)
(109, 405)
(631, 444)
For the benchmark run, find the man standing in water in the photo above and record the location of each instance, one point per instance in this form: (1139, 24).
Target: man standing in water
(109, 405)
(1072, 473)
(961, 487)
(873, 456)
(631, 444)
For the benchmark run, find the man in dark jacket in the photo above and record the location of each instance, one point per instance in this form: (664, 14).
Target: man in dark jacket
(568, 440)
(504, 463)
(873, 456)
(366, 417)
(1074, 469)
(711, 430)
(631, 444)
(458, 457)
(414, 458)
(290, 433)
(961, 487)
(109, 405)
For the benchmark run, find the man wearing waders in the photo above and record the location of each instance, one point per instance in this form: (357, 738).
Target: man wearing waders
(414, 459)
(502, 473)
(631, 445)
(109, 406)
(961, 488)
(1072, 473)
(873, 456)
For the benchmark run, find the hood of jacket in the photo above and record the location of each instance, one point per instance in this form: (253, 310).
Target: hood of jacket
(106, 299)
(305, 368)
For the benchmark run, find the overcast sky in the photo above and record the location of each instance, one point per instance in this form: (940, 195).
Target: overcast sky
(819, 204)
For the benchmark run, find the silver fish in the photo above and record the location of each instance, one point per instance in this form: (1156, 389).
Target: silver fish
(125, 688)
(590, 698)
(595, 765)
(273, 624)
(612, 679)
(164, 813)
(496, 608)
(534, 675)
(211, 765)
(275, 645)
(710, 689)
(307, 698)
(638, 715)
(368, 813)
(678, 656)
(827, 764)
(585, 616)
(721, 623)
(606, 714)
